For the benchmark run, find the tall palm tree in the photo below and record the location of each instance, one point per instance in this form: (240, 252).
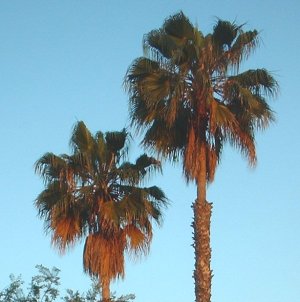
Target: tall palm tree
(95, 194)
(188, 98)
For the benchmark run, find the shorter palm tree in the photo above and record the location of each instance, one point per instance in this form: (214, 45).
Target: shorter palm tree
(95, 194)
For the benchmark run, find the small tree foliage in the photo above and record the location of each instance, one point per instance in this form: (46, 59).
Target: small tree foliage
(44, 287)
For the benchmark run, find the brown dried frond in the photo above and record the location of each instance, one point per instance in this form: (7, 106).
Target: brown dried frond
(138, 242)
(191, 155)
(103, 255)
(211, 163)
(66, 230)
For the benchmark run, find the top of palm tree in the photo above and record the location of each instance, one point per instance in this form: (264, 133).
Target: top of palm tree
(188, 89)
(96, 194)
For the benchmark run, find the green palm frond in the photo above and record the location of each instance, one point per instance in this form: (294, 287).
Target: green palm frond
(128, 173)
(167, 141)
(159, 45)
(50, 166)
(147, 165)
(155, 88)
(225, 32)
(100, 147)
(245, 44)
(135, 173)
(55, 194)
(143, 203)
(81, 140)
(174, 43)
(157, 196)
(116, 140)
(138, 70)
(179, 26)
(259, 81)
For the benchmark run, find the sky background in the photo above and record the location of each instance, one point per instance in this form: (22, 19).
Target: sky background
(65, 61)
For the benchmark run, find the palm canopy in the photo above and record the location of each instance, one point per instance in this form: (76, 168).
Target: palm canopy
(187, 90)
(96, 194)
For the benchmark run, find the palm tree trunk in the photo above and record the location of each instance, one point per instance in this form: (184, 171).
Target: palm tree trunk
(105, 289)
(202, 215)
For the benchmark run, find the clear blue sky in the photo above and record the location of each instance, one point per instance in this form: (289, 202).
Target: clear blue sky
(64, 61)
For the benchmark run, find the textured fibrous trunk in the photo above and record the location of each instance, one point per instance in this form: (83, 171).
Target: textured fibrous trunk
(202, 272)
(201, 224)
(105, 290)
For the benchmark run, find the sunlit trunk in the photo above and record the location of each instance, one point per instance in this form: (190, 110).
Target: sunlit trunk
(202, 215)
(105, 289)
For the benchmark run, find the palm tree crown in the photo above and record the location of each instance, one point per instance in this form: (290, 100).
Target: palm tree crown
(187, 90)
(95, 194)
(188, 96)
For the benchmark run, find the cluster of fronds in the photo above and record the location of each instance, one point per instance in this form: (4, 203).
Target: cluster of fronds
(95, 194)
(187, 90)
